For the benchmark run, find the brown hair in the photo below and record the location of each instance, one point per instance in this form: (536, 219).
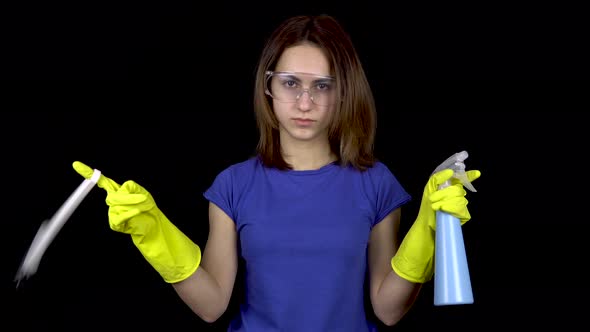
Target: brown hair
(352, 131)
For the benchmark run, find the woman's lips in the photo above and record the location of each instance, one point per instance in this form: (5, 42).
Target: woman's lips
(303, 122)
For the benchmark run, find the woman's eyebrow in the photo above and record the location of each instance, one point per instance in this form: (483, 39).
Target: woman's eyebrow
(295, 77)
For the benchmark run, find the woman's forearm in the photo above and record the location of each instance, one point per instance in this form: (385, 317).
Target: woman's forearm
(203, 294)
(394, 298)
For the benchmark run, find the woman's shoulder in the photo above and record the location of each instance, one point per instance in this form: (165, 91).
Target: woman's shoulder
(243, 168)
(378, 168)
(379, 174)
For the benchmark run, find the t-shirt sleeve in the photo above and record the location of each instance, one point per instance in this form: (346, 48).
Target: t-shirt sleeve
(390, 194)
(221, 192)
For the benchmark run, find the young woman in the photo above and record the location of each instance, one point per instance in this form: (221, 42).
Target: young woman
(312, 214)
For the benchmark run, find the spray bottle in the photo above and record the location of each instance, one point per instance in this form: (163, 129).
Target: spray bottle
(452, 284)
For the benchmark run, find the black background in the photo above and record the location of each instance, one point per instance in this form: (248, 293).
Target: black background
(161, 94)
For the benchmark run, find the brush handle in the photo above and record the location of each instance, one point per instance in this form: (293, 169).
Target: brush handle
(49, 228)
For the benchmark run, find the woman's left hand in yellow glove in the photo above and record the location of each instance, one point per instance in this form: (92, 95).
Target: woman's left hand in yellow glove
(413, 260)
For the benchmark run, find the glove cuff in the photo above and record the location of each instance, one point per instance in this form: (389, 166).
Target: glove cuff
(411, 272)
(169, 251)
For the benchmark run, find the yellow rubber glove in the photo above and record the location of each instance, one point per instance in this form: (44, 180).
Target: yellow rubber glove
(132, 210)
(414, 260)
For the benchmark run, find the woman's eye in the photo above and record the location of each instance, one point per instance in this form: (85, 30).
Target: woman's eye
(323, 86)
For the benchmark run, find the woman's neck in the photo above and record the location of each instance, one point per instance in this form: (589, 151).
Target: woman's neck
(307, 155)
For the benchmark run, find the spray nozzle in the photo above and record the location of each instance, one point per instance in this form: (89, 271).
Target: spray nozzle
(455, 162)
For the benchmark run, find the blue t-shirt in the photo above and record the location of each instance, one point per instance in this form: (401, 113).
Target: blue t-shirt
(303, 236)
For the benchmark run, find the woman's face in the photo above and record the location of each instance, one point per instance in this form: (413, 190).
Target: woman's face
(302, 80)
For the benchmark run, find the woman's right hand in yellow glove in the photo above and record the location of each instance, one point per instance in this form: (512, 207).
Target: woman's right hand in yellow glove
(125, 202)
(132, 210)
